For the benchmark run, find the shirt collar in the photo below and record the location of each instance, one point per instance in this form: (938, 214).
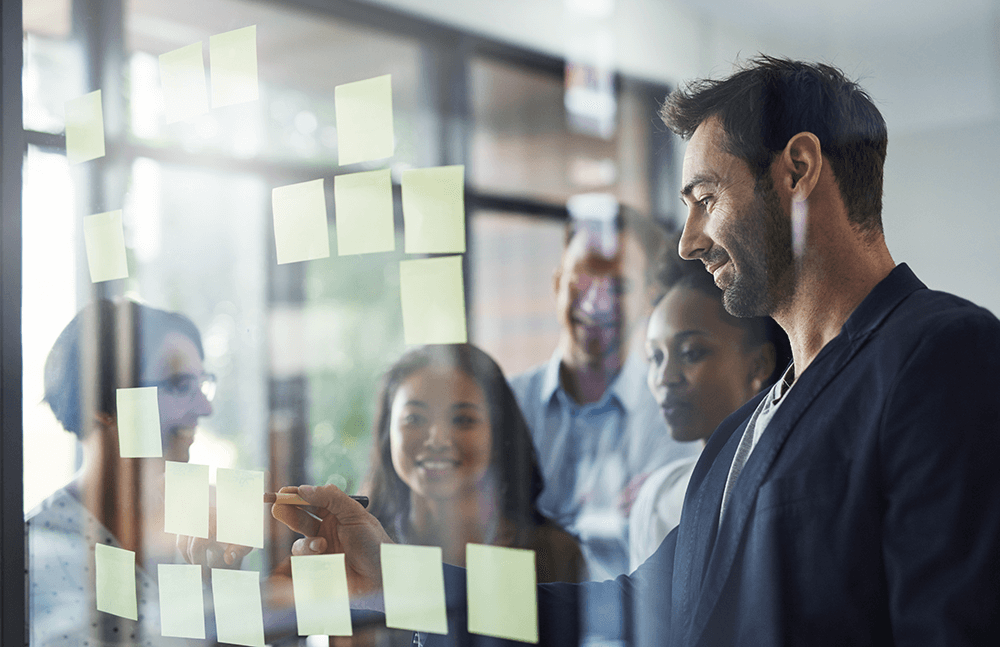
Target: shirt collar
(627, 387)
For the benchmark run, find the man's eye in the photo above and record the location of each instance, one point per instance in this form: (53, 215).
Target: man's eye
(705, 202)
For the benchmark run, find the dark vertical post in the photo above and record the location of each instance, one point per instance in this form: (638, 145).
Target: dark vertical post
(13, 583)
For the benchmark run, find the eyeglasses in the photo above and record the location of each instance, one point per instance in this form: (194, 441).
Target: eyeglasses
(186, 385)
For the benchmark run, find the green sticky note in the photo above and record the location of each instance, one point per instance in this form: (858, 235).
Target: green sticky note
(115, 575)
(433, 296)
(239, 616)
(363, 204)
(84, 128)
(240, 514)
(413, 585)
(104, 238)
(182, 602)
(233, 59)
(434, 210)
(364, 120)
(300, 232)
(182, 76)
(185, 499)
(322, 606)
(502, 595)
(138, 414)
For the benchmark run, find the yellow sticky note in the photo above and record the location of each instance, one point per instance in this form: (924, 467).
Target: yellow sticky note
(433, 296)
(104, 238)
(322, 606)
(139, 423)
(115, 575)
(233, 59)
(84, 128)
(182, 76)
(364, 120)
(239, 616)
(182, 602)
(502, 595)
(240, 515)
(185, 499)
(300, 232)
(434, 210)
(413, 584)
(363, 204)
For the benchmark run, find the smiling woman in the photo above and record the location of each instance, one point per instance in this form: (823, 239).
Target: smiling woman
(113, 500)
(453, 462)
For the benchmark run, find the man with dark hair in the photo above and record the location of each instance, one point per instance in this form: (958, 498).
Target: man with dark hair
(597, 431)
(858, 501)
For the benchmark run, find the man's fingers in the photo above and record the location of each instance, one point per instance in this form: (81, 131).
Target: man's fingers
(309, 546)
(332, 498)
(296, 518)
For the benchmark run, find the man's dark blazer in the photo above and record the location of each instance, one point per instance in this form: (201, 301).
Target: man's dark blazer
(868, 513)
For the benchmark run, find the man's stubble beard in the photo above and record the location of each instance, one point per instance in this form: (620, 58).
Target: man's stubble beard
(762, 242)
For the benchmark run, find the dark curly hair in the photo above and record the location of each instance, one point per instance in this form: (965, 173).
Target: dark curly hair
(514, 463)
(769, 100)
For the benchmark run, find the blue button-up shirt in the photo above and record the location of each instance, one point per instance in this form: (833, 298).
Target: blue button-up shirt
(591, 454)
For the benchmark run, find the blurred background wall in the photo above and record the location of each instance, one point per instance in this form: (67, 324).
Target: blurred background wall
(933, 69)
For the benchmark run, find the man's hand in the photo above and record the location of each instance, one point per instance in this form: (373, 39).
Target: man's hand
(335, 523)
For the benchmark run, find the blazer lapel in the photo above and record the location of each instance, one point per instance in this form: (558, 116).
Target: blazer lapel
(700, 515)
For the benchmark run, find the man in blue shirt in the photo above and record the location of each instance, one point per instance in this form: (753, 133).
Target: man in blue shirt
(596, 428)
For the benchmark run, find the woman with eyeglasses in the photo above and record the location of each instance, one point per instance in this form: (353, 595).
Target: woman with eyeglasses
(112, 500)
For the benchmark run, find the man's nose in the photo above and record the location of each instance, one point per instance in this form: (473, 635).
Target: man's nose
(597, 301)
(694, 243)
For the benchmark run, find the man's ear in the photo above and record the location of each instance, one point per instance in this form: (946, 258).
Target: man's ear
(796, 171)
(762, 366)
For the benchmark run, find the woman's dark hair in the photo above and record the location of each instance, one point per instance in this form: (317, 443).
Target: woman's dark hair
(104, 348)
(769, 100)
(513, 466)
(677, 272)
